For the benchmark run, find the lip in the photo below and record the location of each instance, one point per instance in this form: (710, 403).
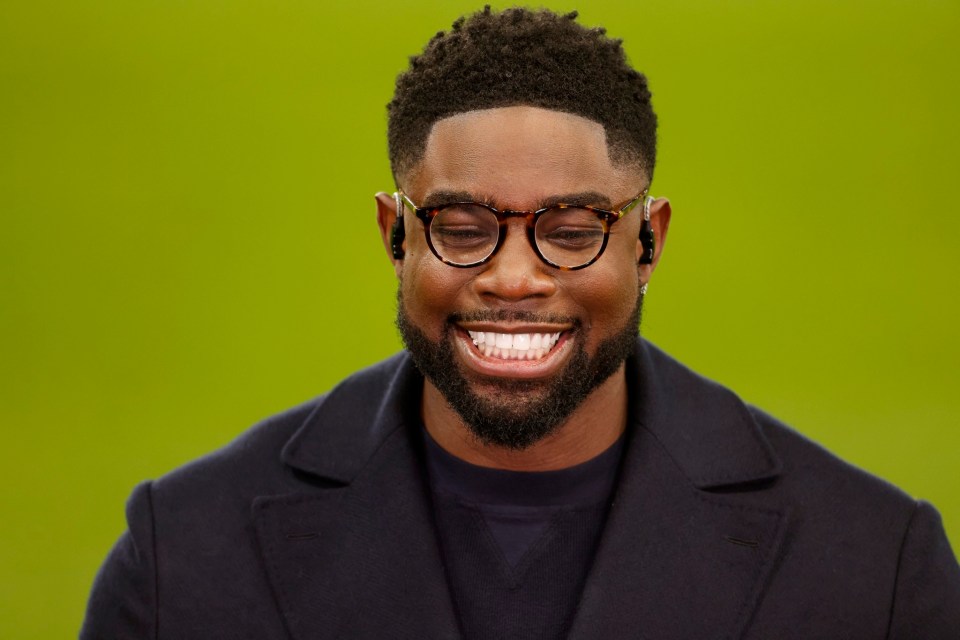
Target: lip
(491, 367)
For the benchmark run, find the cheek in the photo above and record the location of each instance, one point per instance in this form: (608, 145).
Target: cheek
(430, 291)
(607, 291)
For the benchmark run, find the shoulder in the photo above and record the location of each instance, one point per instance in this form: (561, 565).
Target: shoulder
(835, 506)
(809, 468)
(861, 540)
(253, 464)
(190, 557)
(726, 444)
(838, 513)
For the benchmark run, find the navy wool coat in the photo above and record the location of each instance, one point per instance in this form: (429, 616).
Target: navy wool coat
(725, 523)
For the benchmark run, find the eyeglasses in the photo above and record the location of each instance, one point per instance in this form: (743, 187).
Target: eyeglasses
(564, 236)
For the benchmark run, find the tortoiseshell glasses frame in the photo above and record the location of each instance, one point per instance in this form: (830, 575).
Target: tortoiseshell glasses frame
(486, 251)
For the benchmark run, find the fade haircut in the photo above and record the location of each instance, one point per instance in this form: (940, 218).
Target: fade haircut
(522, 57)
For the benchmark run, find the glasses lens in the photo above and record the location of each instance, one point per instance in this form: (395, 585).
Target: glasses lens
(464, 233)
(570, 237)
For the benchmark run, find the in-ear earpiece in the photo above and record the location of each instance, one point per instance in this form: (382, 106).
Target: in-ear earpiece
(647, 239)
(397, 232)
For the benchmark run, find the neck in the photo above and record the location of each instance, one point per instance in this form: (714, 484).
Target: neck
(589, 431)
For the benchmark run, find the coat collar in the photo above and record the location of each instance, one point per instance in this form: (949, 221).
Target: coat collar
(705, 428)
(677, 558)
(351, 423)
(685, 552)
(354, 554)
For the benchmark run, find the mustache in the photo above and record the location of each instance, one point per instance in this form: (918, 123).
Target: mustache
(514, 315)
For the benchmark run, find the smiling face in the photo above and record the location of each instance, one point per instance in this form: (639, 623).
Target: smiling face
(514, 345)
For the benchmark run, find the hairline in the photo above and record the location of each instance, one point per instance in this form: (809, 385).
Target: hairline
(620, 158)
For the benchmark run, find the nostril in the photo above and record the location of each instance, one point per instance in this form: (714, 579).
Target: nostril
(515, 273)
(514, 283)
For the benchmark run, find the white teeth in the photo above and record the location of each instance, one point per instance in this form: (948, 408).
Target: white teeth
(514, 346)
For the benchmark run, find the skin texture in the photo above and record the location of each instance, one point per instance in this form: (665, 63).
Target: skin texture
(520, 158)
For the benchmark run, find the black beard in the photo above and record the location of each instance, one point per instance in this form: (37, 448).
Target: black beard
(524, 411)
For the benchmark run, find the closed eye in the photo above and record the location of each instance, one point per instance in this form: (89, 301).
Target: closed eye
(574, 236)
(459, 235)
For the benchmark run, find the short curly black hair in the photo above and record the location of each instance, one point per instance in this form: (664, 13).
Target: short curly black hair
(522, 57)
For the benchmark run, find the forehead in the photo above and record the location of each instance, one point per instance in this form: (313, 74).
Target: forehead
(519, 154)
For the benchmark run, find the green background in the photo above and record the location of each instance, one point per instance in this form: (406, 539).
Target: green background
(188, 240)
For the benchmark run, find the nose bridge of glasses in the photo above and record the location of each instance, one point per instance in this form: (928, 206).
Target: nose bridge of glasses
(528, 217)
(522, 223)
(516, 268)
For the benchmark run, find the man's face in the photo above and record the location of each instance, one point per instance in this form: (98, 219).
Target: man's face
(584, 321)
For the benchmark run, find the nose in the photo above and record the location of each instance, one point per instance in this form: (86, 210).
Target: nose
(515, 273)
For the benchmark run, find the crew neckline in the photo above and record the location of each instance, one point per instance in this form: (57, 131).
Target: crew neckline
(588, 483)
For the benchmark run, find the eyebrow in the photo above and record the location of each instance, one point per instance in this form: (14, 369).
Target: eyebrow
(441, 197)
(581, 198)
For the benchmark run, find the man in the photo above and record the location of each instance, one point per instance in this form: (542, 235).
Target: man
(528, 468)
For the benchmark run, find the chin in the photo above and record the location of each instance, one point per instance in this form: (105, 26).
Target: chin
(510, 411)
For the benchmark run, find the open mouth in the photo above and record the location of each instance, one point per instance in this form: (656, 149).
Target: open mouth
(514, 346)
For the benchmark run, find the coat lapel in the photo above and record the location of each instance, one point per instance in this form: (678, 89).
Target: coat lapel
(357, 556)
(678, 558)
(687, 549)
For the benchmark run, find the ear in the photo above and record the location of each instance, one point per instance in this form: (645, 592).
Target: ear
(386, 216)
(660, 223)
